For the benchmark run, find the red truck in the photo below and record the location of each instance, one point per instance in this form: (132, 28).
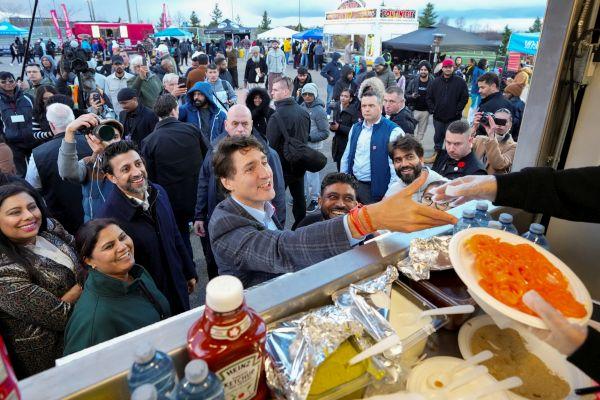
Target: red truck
(127, 35)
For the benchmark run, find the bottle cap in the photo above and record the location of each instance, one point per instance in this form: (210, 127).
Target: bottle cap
(468, 214)
(482, 206)
(144, 353)
(538, 229)
(145, 392)
(494, 225)
(506, 218)
(224, 293)
(196, 371)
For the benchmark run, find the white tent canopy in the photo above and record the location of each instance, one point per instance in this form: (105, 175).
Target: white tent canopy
(281, 32)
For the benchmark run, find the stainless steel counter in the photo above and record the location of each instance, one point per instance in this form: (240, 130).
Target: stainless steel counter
(99, 372)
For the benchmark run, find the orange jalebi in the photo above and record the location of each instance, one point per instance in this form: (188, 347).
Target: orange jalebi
(509, 271)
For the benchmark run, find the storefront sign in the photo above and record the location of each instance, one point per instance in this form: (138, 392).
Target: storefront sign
(352, 14)
(398, 14)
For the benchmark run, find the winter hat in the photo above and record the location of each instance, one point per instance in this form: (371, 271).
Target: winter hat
(424, 63)
(163, 49)
(515, 89)
(311, 88)
(379, 61)
(254, 48)
(126, 94)
(448, 63)
(336, 56)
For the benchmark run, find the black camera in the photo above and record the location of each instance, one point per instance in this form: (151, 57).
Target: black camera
(75, 60)
(105, 130)
(484, 118)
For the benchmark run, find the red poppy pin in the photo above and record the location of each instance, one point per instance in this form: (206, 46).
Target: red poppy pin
(461, 164)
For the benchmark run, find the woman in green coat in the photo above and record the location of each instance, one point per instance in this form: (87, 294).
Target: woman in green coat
(119, 296)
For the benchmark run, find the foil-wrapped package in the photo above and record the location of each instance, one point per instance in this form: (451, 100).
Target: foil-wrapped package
(426, 255)
(299, 344)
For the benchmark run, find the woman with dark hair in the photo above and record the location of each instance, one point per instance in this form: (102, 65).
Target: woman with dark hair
(400, 79)
(98, 106)
(258, 101)
(345, 114)
(39, 123)
(119, 295)
(37, 280)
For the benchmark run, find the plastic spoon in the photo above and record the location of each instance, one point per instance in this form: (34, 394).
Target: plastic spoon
(411, 318)
(445, 378)
(506, 384)
(377, 348)
(442, 392)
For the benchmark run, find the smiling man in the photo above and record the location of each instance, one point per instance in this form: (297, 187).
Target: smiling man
(144, 212)
(407, 155)
(338, 197)
(248, 241)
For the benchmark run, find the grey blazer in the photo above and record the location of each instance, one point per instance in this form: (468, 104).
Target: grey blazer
(243, 247)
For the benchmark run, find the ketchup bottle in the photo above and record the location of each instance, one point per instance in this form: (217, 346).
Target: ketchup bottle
(230, 337)
(8, 380)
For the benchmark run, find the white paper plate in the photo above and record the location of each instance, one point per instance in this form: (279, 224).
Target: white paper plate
(555, 361)
(463, 262)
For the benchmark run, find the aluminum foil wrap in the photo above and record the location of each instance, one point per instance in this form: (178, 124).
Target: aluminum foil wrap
(298, 345)
(426, 255)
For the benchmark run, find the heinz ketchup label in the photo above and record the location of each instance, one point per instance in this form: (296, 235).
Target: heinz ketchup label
(230, 337)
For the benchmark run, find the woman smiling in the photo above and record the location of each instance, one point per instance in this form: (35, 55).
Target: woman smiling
(37, 280)
(119, 296)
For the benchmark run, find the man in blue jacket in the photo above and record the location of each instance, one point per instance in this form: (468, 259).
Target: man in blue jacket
(238, 123)
(143, 211)
(332, 73)
(201, 110)
(366, 156)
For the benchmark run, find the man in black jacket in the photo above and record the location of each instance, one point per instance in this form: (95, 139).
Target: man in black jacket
(137, 119)
(458, 159)
(296, 122)
(174, 153)
(63, 198)
(396, 111)
(491, 98)
(447, 97)
(416, 98)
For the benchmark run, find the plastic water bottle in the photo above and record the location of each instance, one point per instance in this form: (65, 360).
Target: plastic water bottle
(482, 216)
(494, 225)
(199, 383)
(507, 223)
(536, 235)
(145, 392)
(467, 221)
(153, 367)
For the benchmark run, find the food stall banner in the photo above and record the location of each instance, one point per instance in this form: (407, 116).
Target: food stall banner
(68, 30)
(525, 43)
(315, 34)
(514, 60)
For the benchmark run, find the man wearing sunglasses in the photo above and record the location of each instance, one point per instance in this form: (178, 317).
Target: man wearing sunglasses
(496, 150)
(15, 120)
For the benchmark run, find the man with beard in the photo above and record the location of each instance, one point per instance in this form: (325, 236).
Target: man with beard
(338, 197)
(137, 119)
(407, 155)
(116, 81)
(144, 212)
(202, 110)
(416, 98)
(224, 73)
(256, 69)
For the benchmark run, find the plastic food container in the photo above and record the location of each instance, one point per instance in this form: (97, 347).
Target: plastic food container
(415, 343)
(444, 289)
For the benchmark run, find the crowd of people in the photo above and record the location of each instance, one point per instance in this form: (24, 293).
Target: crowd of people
(111, 157)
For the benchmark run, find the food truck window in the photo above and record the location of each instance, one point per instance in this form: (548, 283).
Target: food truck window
(109, 32)
(340, 41)
(359, 44)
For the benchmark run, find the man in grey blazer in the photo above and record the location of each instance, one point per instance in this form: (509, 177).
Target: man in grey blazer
(248, 242)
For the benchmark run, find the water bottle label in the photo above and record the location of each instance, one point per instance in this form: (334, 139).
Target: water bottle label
(240, 379)
(231, 332)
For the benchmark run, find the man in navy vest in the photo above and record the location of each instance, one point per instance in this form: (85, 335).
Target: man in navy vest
(366, 156)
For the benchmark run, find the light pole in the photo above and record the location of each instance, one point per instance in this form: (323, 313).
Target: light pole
(128, 10)
(437, 40)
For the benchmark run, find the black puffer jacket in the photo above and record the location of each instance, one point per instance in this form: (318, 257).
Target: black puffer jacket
(262, 113)
(298, 88)
(343, 83)
(345, 118)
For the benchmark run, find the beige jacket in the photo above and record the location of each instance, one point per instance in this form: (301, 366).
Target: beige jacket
(499, 156)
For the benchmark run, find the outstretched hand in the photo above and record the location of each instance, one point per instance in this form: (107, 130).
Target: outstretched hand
(401, 213)
(461, 190)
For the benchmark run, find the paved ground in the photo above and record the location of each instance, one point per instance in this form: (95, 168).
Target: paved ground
(198, 296)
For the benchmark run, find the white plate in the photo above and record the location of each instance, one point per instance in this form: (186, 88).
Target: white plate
(555, 361)
(463, 262)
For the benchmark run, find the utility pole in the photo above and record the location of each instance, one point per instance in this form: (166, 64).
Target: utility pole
(298, 12)
(137, 11)
(128, 11)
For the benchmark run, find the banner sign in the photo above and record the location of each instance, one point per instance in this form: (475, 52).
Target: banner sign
(68, 30)
(526, 43)
(56, 26)
(397, 14)
(352, 14)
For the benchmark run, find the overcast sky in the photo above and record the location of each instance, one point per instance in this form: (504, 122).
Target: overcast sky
(518, 14)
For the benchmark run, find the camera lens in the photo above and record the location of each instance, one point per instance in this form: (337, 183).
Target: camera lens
(105, 133)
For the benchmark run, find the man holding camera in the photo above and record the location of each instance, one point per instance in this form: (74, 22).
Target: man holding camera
(496, 150)
(63, 198)
(491, 98)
